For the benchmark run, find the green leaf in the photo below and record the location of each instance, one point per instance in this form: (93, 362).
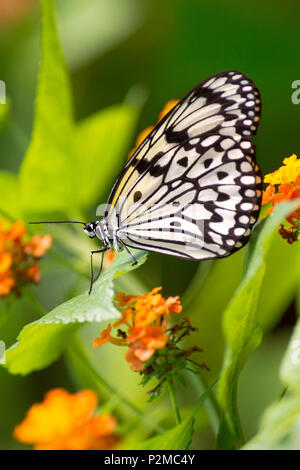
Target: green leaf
(46, 171)
(4, 112)
(177, 438)
(290, 367)
(156, 394)
(101, 143)
(280, 427)
(242, 331)
(280, 424)
(100, 25)
(205, 307)
(42, 342)
(61, 156)
(9, 201)
(280, 282)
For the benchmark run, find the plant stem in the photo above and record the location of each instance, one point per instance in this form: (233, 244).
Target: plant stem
(33, 302)
(236, 422)
(197, 282)
(210, 404)
(172, 395)
(78, 354)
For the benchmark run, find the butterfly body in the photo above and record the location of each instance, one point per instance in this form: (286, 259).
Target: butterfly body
(105, 232)
(192, 189)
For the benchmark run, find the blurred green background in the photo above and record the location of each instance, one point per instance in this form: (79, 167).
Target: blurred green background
(166, 47)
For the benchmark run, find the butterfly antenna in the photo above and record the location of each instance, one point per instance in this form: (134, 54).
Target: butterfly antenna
(58, 222)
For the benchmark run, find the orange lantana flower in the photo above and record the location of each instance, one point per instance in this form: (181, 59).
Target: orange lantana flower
(110, 256)
(284, 185)
(65, 421)
(146, 318)
(19, 256)
(38, 245)
(142, 136)
(122, 299)
(154, 347)
(105, 337)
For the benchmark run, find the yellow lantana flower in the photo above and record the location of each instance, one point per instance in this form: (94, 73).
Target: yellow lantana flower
(284, 185)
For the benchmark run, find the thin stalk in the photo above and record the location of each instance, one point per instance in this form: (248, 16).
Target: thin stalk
(172, 395)
(197, 282)
(236, 422)
(33, 302)
(210, 404)
(75, 349)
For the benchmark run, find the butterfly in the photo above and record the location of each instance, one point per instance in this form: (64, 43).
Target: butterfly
(192, 189)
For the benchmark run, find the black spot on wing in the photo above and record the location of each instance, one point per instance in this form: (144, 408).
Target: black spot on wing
(183, 162)
(223, 197)
(137, 196)
(208, 162)
(221, 175)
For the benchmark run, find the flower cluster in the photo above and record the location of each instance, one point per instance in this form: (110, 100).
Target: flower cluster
(142, 136)
(153, 346)
(146, 318)
(284, 185)
(65, 421)
(19, 256)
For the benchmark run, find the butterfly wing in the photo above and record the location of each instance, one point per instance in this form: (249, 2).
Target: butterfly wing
(193, 188)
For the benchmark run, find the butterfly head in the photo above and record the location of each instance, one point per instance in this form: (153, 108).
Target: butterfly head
(90, 229)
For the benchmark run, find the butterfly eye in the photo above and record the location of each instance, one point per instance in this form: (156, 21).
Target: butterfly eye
(89, 230)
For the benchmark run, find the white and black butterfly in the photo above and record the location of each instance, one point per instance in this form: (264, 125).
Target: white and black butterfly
(192, 189)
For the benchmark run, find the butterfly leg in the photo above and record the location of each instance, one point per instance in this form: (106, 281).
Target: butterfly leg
(92, 270)
(129, 252)
(100, 268)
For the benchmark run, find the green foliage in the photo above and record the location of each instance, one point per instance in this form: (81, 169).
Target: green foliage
(168, 364)
(242, 331)
(49, 188)
(68, 168)
(9, 202)
(50, 335)
(280, 282)
(81, 158)
(178, 438)
(9, 205)
(279, 429)
(103, 24)
(4, 114)
(205, 308)
(73, 153)
(290, 368)
(100, 141)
